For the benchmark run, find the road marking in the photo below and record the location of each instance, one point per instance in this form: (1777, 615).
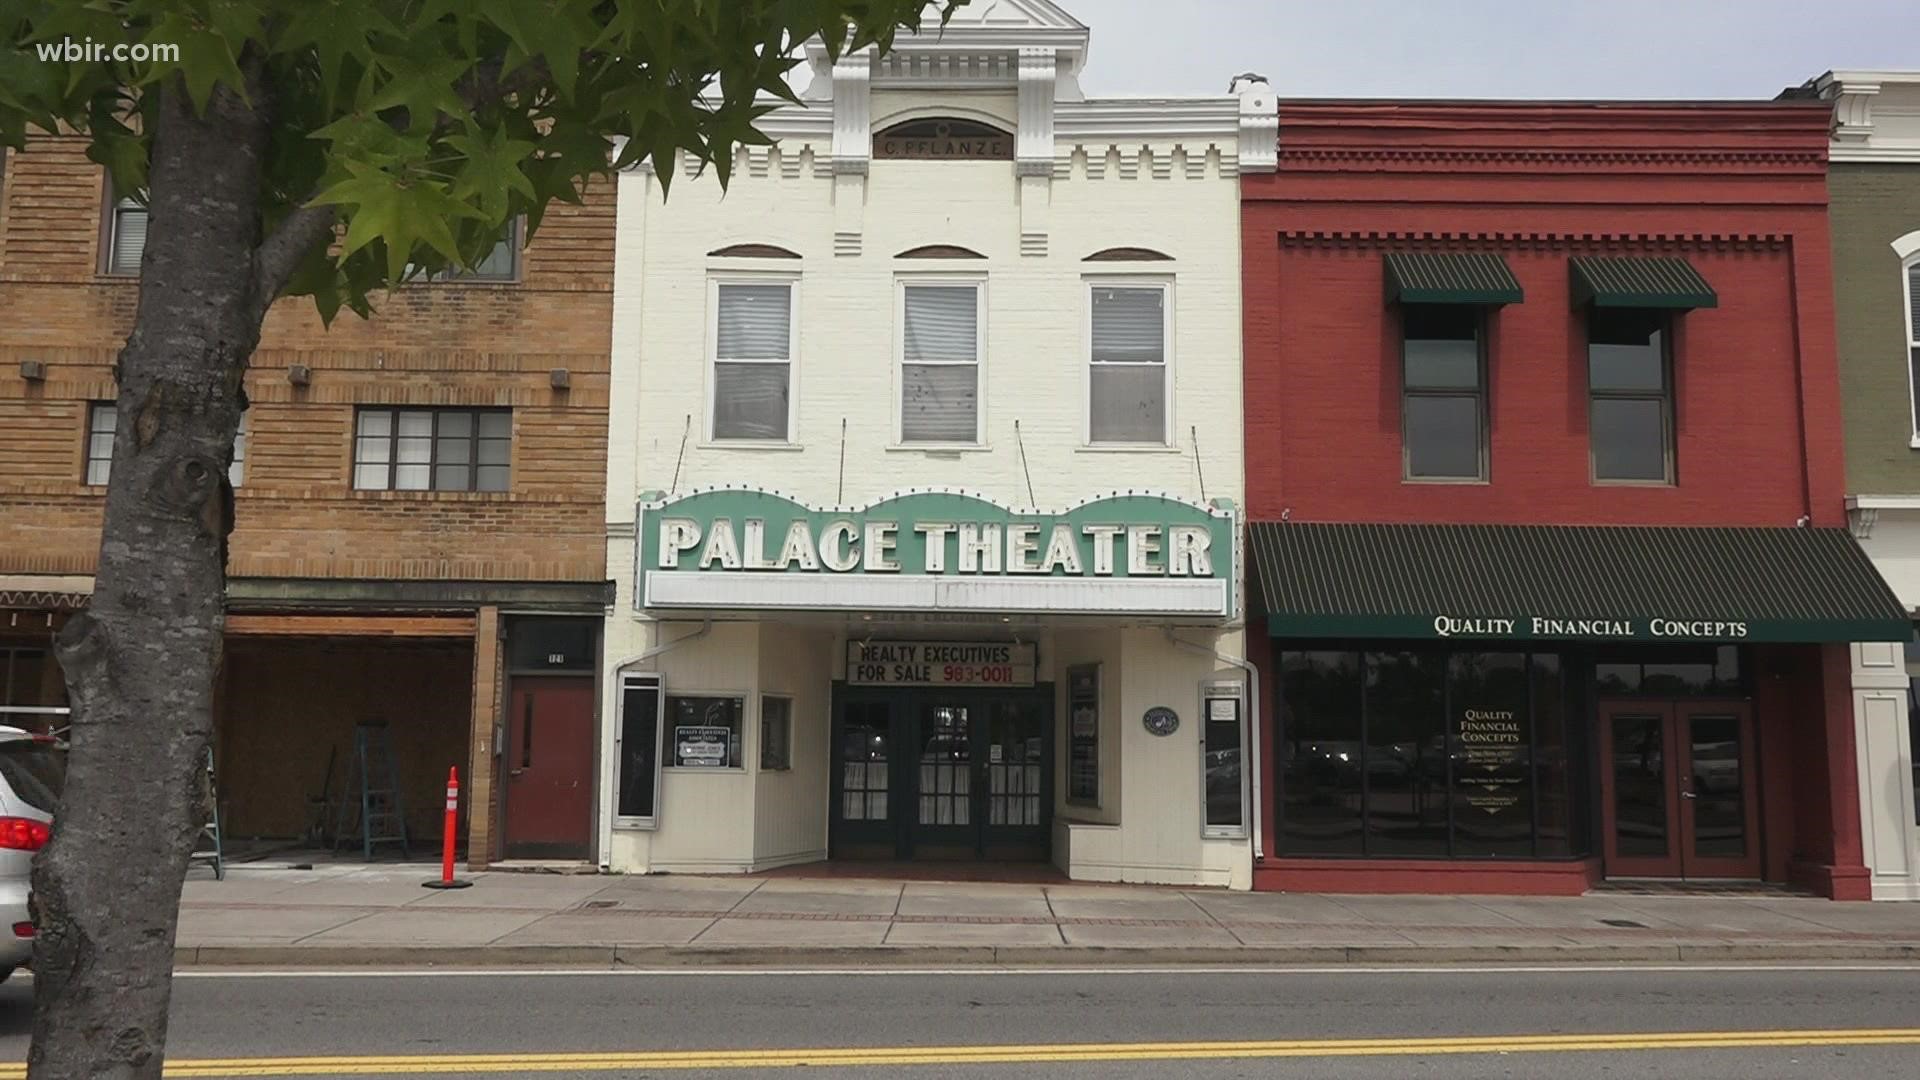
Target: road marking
(846, 1057)
(889, 972)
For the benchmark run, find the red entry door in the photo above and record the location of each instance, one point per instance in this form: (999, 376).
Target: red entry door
(549, 769)
(1679, 793)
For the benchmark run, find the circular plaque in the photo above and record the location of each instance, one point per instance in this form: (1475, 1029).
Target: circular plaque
(1161, 720)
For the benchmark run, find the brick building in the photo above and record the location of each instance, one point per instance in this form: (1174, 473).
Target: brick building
(1873, 181)
(418, 506)
(1544, 476)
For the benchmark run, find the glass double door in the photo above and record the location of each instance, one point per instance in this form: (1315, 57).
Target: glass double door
(1679, 790)
(934, 774)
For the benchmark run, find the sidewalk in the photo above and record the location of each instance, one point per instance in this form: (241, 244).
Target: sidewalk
(381, 916)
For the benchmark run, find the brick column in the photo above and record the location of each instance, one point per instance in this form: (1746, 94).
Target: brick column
(479, 788)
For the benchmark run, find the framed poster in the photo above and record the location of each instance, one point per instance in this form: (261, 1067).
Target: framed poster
(1083, 734)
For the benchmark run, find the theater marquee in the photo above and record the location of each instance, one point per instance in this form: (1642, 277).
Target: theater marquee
(749, 549)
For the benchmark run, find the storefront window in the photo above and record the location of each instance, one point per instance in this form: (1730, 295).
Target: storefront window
(1425, 753)
(704, 732)
(1406, 755)
(1554, 808)
(1492, 754)
(1672, 671)
(1321, 757)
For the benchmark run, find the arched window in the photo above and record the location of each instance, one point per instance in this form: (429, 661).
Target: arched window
(1128, 254)
(752, 251)
(943, 139)
(939, 251)
(1911, 272)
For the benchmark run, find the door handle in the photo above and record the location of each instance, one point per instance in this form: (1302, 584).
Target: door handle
(1689, 795)
(515, 772)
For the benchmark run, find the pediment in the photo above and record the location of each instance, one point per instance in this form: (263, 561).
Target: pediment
(1012, 15)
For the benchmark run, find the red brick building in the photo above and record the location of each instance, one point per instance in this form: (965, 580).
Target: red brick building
(1550, 580)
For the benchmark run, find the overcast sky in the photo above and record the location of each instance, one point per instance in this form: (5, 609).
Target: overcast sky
(1491, 48)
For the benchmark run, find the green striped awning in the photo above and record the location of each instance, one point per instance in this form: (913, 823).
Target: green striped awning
(1639, 283)
(1623, 583)
(1415, 277)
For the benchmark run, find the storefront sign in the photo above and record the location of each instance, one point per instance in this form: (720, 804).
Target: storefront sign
(940, 663)
(748, 548)
(1491, 766)
(701, 747)
(1536, 626)
(1161, 720)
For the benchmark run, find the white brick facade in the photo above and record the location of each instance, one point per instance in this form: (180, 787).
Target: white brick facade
(1154, 175)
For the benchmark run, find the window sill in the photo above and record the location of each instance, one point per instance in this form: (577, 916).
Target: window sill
(1128, 448)
(682, 770)
(633, 824)
(1914, 443)
(1633, 483)
(939, 448)
(391, 495)
(747, 444)
(1447, 481)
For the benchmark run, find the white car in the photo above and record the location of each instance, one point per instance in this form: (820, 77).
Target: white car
(32, 770)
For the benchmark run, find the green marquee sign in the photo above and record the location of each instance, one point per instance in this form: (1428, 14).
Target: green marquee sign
(1130, 540)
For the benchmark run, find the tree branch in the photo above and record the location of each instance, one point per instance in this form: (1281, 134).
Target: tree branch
(275, 260)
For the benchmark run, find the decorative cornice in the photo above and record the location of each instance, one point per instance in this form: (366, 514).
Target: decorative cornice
(1454, 156)
(1367, 239)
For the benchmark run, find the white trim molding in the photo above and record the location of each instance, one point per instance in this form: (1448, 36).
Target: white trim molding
(1876, 115)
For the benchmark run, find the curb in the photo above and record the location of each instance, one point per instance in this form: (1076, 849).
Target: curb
(1028, 956)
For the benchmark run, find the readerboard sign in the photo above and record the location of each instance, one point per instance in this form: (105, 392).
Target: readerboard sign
(701, 747)
(940, 663)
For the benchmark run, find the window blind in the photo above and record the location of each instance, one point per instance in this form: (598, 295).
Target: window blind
(942, 324)
(129, 237)
(753, 322)
(1129, 326)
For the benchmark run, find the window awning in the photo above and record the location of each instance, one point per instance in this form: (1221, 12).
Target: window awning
(1639, 283)
(1450, 278)
(1598, 583)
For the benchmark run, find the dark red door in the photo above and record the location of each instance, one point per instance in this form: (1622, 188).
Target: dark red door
(549, 769)
(1679, 797)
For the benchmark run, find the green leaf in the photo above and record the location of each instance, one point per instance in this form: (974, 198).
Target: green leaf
(400, 214)
(491, 171)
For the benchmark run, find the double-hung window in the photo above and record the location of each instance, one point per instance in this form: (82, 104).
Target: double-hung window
(1630, 387)
(237, 469)
(1128, 376)
(752, 382)
(126, 235)
(432, 449)
(1913, 348)
(940, 352)
(1443, 392)
(102, 418)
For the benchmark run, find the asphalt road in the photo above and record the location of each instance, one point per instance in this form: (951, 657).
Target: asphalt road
(1448, 1022)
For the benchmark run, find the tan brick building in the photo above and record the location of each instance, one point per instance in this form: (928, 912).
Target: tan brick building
(418, 536)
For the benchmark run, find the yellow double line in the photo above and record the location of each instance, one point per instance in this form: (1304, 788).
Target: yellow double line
(454, 1064)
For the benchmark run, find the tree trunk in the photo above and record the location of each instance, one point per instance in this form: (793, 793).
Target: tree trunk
(140, 663)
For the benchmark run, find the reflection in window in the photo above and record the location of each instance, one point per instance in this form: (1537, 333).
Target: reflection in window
(1426, 752)
(1320, 752)
(1443, 403)
(704, 732)
(1631, 419)
(1671, 671)
(1406, 754)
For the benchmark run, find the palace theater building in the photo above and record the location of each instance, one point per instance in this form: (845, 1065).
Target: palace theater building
(1549, 578)
(925, 477)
